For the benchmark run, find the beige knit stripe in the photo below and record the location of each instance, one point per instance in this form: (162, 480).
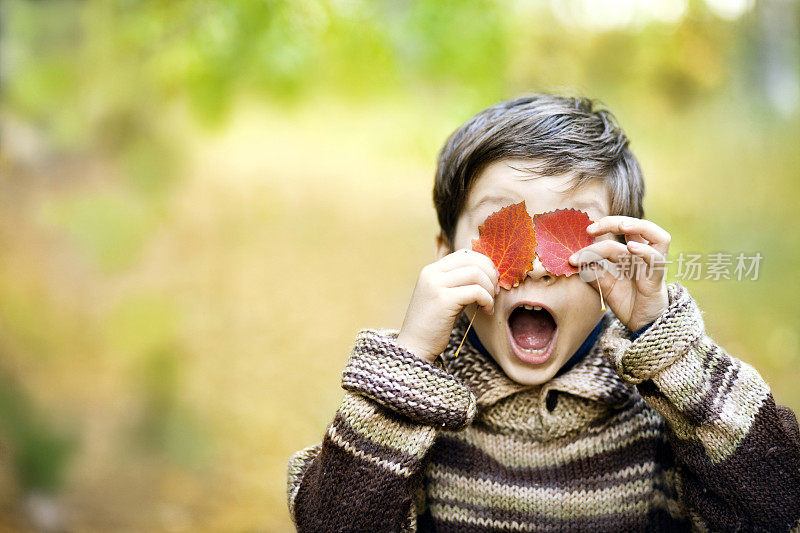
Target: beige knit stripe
(451, 513)
(737, 408)
(298, 464)
(636, 496)
(515, 451)
(363, 417)
(391, 466)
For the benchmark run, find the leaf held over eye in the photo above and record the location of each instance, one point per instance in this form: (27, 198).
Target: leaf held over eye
(560, 234)
(508, 239)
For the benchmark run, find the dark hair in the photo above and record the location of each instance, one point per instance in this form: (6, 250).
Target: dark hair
(563, 133)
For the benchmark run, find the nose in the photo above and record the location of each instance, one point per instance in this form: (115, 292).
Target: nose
(539, 273)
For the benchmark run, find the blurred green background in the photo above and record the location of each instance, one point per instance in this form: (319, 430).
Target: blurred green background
(202, 202)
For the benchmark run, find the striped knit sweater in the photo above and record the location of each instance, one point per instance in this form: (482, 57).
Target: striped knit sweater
(661, 433)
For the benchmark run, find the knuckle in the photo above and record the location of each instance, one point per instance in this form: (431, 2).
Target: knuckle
(431, 282)
(440, 298)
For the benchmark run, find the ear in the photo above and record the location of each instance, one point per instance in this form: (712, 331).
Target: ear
(442, 248)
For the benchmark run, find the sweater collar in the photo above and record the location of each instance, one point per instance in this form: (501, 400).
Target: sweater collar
(591, 375)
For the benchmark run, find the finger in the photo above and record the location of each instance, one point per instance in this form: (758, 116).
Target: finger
(465, 256)
(618, 224)
(606, 249)
(465, 295)
(653, 259)
(470, 275)
(599, 274)
(603, 261)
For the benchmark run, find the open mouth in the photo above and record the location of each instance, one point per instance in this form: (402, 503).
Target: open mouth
(532, 332)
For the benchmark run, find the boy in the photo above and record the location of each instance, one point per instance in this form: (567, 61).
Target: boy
(555, 415)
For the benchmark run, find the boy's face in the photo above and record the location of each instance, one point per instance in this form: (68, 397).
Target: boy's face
(571, 307)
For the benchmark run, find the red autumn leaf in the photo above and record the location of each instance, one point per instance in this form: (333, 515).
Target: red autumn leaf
(507, 237)
(560, 234)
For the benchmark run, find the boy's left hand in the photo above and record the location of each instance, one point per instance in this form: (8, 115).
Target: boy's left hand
(637, 292)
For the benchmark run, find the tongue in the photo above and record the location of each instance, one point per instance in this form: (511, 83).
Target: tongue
(532, 330)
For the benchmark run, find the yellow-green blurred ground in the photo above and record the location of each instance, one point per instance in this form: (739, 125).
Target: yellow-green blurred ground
(177, 301)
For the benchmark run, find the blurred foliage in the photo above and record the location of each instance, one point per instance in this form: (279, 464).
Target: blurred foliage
(196, 196)
(40, 451)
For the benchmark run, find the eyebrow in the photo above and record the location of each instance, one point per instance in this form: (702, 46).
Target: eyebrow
(589, 203)
(501, 198)
(493, 199)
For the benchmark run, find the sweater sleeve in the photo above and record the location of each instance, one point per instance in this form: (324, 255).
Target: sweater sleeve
(737, 452)
(366, 474)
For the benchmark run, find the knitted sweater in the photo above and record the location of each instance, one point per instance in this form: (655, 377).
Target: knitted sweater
(663, 432)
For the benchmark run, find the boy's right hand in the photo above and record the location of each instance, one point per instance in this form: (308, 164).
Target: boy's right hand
(443, 290)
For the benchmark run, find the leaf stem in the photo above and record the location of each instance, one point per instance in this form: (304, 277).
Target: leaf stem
(465, 333)
(602, 302)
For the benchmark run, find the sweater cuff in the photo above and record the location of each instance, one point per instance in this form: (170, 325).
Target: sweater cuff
(386, 372)
(667, 339)
(638, 333)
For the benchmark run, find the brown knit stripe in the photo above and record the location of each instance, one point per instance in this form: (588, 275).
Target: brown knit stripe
(646, 470)
(657, 520)
(628, 498)
(654, 516)
(718, 375)
(604, 469)
(337, 479)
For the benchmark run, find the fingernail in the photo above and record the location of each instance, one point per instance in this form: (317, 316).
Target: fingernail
(573, 257)
(592, 226)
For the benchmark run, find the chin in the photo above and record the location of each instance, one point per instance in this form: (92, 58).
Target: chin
(525, 375)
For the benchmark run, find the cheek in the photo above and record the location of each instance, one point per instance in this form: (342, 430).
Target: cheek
(584, 301)
(491, 328)
(464, 235)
